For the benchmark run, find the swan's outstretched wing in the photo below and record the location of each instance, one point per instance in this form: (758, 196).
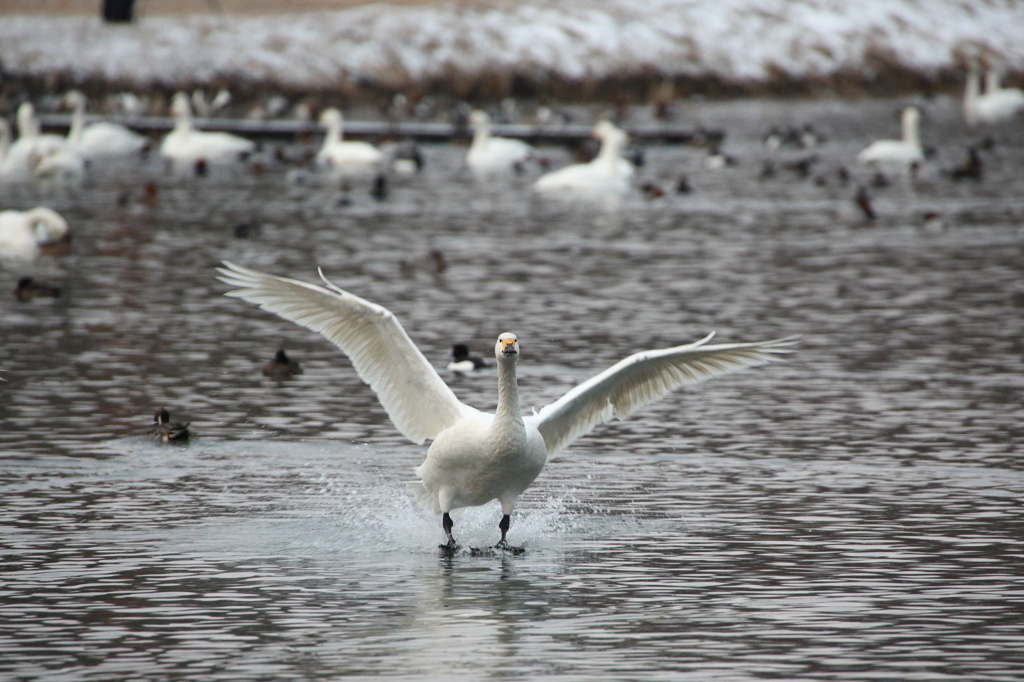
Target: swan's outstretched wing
(642, 378)
(418, 401)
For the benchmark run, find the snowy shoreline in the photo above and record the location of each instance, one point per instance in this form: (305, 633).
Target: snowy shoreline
(740, 45)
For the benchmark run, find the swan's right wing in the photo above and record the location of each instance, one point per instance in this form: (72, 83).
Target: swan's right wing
(642, 378)
(418, 401)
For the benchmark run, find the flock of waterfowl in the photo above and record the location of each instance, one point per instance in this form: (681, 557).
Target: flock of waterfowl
(474, 457)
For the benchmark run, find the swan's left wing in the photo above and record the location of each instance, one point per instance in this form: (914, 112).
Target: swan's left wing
(418, 401)
(642, 378)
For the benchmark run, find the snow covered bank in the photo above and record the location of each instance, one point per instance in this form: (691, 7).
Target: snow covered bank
(734, 41)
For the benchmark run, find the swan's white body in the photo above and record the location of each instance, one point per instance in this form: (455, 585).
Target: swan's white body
(995, 105)
(344, 154)
(31, 147)
(101, 138)
(488, 154)
(24, 233)
(898, 153)
(477, 457)
(185, 144)
(607, 173)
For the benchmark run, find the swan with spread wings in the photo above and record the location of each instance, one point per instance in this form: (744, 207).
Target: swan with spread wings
(476, 457)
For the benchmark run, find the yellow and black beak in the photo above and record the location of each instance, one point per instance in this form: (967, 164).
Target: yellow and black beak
(508, 347)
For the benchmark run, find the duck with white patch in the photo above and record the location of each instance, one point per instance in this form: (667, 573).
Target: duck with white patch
(476, 457)
(465, 362)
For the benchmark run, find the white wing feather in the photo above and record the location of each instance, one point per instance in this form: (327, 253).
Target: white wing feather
(642, 378)
(416, 399)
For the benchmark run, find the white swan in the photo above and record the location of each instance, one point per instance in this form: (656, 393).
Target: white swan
(187, 145)
(341, 154)
(488, 154)
(31, 147)
(902, 153)
(25, 234)
(101, 138)
(995, 105)
(607, 173)
(475, 456)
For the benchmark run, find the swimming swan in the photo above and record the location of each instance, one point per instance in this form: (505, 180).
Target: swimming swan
(101, 138)
(903, 152)
(26, 234)
(475, 456)
(489, 154)
(996, 105)
(341, 154)
(186, 145)
(24, 155)
(608, 172)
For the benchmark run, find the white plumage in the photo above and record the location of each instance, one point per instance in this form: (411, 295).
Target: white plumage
(101, 138)
(477, 457)
(897, 153)
(22, 157)
(608, 173)
(995, 105)
(490, 154)
(184, 144)
(344, 154)
(23, 234)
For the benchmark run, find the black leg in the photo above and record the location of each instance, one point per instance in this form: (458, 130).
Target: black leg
(503, 525)
(446, 523)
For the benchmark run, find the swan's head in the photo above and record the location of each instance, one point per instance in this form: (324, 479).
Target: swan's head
(606, 130)
(330, 117)
(911, 116)
(507, 346)
(27, 124)
(479, 117)
(47, 225)
(180, 105)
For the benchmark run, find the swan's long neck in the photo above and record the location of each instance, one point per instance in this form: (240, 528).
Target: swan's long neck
(608, 157)
(992, 83)
(183, 120)
(333, 132)
(971, 93)
(28, 125)
(508, 416)
(910, 134)
(481, 133)
(77, 122)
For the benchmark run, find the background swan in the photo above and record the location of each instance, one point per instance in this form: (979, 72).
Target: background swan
(23, 234)
(101, 138)
(187, 145)
(24, 155)
(475, 456)
(900, 153)
(488, 154)
(339, 153)
(608, 172)
(995, 105)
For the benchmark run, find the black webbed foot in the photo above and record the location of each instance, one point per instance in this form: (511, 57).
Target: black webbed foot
(510, 549)
(449, 549)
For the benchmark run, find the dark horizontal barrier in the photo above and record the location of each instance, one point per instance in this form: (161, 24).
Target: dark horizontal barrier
(556, 134)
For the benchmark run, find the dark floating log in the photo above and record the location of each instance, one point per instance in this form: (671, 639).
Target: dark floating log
(429, 132)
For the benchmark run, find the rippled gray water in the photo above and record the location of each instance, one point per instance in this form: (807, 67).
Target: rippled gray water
(853, 513)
